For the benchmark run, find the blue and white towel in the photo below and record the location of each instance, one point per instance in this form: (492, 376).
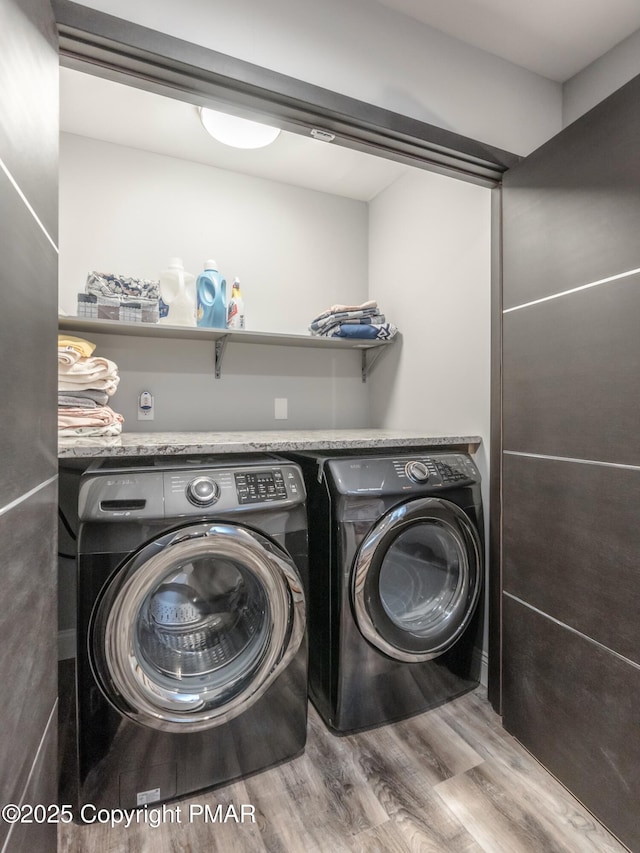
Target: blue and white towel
(365, 331)
(353, 321)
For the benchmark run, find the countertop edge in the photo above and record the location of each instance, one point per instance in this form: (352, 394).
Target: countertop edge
(185, 443)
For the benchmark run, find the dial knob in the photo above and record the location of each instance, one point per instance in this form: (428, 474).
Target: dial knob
(203, 491)
(417, 471)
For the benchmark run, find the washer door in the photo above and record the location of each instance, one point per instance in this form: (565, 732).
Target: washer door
(416, 579)
(193, 629)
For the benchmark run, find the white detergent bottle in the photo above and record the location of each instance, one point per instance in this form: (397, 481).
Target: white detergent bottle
(235, 309)
(178, 291)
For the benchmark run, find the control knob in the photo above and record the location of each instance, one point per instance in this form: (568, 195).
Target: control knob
(417, 471)
(203, 491)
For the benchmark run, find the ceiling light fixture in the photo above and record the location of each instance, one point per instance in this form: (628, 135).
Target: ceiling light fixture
(237, 132)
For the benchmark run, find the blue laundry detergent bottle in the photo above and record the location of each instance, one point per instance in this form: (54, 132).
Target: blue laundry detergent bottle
(211, 290)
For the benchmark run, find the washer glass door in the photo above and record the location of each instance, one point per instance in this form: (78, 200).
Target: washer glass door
(194, 628)
(416, 579)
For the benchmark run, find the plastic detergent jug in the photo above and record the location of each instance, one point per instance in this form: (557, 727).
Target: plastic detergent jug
(178, 292)
(235, 311)
(212, 299)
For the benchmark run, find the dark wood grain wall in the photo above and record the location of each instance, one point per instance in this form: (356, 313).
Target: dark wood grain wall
(28, 464)
(571, 461)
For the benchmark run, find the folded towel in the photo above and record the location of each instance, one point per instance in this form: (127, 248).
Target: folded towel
(80, 383)
(70, 401)
(67, 355)
(370, 331)
(84, 396)
(365, 305)
(367, 309)
(99, 417)
(331, 318)
(321, 327)
(86, 369)
(73, 432)
(70, 349)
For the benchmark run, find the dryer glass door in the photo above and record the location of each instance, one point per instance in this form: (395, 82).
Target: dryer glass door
(194, 628)
(416, 579)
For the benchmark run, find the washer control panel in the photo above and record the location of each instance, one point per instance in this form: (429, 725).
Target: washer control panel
(231, 488)
(188, 491)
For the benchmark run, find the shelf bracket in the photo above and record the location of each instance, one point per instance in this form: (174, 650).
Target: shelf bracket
(368, 361)
(221, 345)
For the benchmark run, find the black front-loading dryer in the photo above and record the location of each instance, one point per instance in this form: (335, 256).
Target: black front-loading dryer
(395, 583)
(192, 649)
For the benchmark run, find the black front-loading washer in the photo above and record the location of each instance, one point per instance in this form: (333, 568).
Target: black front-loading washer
(192, 647)
(395, 583)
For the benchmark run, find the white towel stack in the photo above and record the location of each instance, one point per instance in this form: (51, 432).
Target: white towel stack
(85, 384)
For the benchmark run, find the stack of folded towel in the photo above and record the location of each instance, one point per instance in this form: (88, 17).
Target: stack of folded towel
(85, 384)
(353, 321)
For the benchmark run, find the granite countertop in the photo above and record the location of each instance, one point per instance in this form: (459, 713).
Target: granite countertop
(184, 443)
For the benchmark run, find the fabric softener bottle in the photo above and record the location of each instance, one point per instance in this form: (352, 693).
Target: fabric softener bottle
(235, 311)
(212, 299)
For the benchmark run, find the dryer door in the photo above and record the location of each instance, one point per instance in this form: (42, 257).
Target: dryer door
(195, 627)
(416, 579)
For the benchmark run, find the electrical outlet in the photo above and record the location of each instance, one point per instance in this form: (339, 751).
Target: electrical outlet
(280, 408)
(145, 406)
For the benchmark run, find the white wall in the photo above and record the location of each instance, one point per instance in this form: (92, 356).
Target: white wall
(429, 262)
(296, 251)
(600, 79)
(128, 211)
(367, 51)
(430, 268)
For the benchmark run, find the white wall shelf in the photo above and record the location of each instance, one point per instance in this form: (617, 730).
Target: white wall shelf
(223, 337)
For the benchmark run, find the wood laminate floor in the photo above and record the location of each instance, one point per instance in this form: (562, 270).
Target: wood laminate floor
(448, 780)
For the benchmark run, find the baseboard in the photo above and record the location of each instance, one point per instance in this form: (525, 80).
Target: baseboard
(481, 663)
(66, 644)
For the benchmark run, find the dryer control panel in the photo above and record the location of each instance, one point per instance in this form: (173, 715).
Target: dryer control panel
(420, 473)
(445, 470)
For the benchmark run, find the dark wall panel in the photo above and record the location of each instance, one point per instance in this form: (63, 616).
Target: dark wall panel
(29, 114)
(572, 546)
(28, 364)
(572, 210)
(41, 790)
(575, 705)
(570, 370)
(28, 348)
(28, 629)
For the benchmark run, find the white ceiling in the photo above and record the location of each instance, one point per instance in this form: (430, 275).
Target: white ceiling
(554, 38)
(102, 109)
